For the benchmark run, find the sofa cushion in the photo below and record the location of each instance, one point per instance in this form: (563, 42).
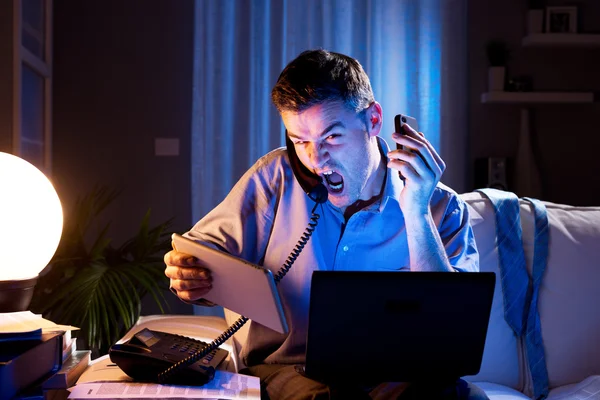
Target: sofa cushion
(499, 392)
(588, 389)
(502, 361)
(569, 300)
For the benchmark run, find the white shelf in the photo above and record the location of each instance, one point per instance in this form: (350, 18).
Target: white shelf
(562, 40)
(537, 97)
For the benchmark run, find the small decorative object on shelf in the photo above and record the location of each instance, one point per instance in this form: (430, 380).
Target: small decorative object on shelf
(528, 180)
(561, 19)
(535, 21)
(535, 17)
(497, 53)
(520, 84)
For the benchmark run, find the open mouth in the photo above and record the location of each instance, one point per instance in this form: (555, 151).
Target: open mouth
(335, 181)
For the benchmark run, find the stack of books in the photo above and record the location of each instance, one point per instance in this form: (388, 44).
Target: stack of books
(32, 350)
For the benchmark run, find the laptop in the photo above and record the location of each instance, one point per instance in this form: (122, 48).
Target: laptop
(372, 327)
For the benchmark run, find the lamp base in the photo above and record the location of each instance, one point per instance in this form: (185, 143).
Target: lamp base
(16, 295)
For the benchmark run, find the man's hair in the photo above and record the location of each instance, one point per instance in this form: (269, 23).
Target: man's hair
(317, 76)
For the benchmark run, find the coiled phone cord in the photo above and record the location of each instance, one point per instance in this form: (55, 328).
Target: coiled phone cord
(312, 225)
(164, 376)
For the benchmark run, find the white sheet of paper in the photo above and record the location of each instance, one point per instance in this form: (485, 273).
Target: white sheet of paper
(225, 385)
(105, 380)
(102, 369)
(26, 321)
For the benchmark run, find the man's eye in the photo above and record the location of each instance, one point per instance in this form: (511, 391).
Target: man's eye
(332, 137)
(299, 142)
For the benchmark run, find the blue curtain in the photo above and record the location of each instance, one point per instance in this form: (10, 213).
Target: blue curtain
(413, 51)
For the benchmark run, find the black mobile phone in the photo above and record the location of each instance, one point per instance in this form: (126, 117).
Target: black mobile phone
(399, 121)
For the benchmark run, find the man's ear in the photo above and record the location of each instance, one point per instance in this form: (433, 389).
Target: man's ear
(374, 118)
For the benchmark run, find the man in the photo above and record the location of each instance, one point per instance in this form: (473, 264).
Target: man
(372, 218)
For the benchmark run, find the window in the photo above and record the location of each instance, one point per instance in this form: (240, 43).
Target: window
(32, 132)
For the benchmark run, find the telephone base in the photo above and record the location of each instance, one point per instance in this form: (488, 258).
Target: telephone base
(149, 353)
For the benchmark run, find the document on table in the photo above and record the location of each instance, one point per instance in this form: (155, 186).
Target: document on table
(225, 385)
(104, 380)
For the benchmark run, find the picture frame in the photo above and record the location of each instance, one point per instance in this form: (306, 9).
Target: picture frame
(561, 19)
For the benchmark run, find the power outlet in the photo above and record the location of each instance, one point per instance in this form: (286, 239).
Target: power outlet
(166, 147)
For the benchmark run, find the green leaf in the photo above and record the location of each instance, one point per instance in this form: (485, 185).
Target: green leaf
(98, 249)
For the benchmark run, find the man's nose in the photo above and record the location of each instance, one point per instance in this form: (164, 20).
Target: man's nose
(318, 155)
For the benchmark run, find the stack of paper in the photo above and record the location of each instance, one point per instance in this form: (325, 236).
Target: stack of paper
(27, 325)
(105, 380)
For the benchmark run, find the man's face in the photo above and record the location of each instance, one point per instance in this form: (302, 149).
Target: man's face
(340, 146)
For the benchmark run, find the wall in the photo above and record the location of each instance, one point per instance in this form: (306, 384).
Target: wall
(566, 137)
(123, 77)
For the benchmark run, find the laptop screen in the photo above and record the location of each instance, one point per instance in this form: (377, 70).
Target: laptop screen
(376, 326)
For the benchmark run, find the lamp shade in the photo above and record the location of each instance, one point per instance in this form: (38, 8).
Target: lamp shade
(31, 220)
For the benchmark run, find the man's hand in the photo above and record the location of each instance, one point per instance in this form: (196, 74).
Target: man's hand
(422, 169)
(421, 166)
(188, 278)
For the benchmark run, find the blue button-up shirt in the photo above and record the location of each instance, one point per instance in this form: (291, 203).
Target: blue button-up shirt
(267, 212)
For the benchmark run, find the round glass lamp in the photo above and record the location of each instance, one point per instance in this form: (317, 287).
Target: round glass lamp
(31, 222)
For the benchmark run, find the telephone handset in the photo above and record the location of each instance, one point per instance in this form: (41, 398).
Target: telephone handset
(310, 182)
(153, 356)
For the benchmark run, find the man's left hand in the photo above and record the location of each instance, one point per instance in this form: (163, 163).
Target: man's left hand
(421, 166)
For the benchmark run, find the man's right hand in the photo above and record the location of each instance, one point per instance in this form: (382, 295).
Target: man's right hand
(188, 278)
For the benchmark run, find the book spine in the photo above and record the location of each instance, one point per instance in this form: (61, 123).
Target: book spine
(70, 371)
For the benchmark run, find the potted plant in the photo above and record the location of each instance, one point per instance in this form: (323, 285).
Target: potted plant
(497, 54)
(98, 287)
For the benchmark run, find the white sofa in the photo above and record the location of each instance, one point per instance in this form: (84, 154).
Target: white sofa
(569, 304)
